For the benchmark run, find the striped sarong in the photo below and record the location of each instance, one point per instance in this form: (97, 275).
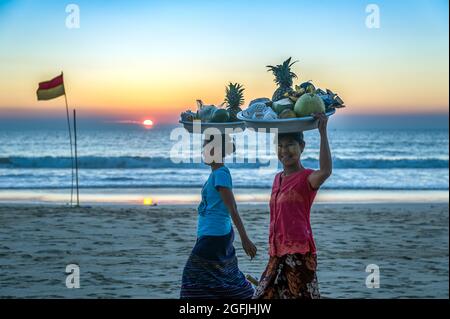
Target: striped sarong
(212, 272)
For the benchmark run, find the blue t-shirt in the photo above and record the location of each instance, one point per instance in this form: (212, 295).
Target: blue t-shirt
(213, 216)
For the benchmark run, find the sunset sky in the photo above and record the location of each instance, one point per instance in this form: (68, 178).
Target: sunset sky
(134, 60)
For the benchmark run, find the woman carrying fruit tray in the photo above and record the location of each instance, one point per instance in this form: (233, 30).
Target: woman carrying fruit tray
(291, 270)
(212, 268)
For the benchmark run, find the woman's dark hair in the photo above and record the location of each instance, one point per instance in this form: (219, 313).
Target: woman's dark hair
(296, 136)
(227, 143)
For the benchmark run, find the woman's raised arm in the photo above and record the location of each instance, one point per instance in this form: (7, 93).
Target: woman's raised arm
(318, 177)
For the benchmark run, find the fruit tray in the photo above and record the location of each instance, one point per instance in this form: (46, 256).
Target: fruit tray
(288, 125)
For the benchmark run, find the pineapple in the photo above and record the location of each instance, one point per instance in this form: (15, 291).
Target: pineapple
(234, 98)
(283, 78)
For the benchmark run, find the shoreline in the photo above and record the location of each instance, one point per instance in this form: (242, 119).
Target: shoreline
(244, 206)
(190, 196)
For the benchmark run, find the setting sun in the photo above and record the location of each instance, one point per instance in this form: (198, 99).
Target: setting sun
(148, 123)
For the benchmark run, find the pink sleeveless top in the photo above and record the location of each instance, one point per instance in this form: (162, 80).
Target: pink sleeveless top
(290, 208)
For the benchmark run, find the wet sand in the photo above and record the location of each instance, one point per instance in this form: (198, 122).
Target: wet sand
(139, 252)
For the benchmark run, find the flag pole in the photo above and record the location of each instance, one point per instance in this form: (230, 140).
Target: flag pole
(71, 147)
(76, 157)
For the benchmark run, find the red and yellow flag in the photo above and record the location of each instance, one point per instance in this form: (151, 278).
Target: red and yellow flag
(51, 89)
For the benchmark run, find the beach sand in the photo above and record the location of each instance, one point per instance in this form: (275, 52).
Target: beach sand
(139, 252)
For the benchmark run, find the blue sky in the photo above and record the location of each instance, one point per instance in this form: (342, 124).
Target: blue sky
(155, 58)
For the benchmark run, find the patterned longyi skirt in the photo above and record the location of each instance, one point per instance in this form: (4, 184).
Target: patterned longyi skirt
(291, 276)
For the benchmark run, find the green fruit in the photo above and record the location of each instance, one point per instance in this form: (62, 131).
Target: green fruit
(220, 115)
(287, 114)
(281, 105)
(206, 112)
(307, 104)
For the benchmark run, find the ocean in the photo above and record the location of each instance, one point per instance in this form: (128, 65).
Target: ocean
(129, 156)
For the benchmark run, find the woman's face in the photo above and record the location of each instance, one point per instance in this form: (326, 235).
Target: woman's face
(208, 154)
(289, 151)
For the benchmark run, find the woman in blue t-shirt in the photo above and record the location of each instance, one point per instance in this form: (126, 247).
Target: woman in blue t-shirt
(212, 268)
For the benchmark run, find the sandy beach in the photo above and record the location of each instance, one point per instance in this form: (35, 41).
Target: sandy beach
(139, 252)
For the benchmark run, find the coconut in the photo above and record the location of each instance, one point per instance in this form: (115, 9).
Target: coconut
(307, 104)
(280, 105)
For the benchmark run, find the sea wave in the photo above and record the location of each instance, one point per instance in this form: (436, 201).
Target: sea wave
(136, 162)
(199, 185)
